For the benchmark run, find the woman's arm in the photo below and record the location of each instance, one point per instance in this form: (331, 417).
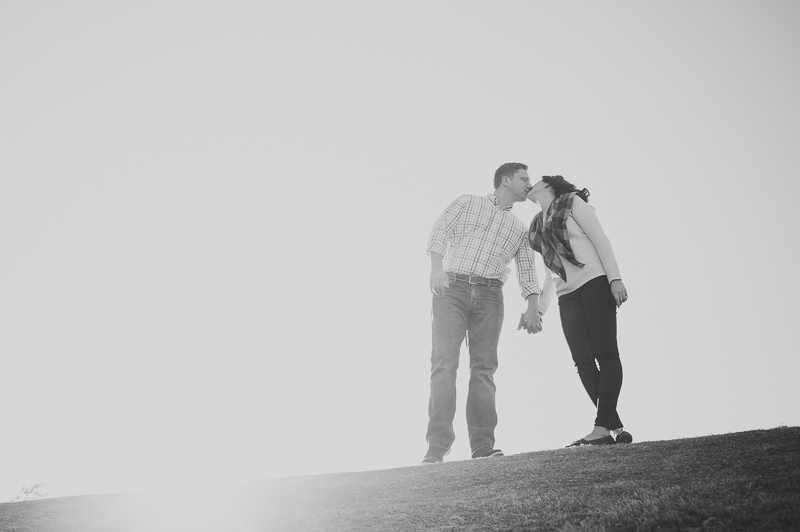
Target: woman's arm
(590, 224)
(548, 291)
(587, 219)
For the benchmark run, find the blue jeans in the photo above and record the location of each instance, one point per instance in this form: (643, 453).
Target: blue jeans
(479, 310)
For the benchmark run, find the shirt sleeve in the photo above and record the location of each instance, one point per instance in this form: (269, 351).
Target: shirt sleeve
(587, 219)
(526, 269)
(443, 229)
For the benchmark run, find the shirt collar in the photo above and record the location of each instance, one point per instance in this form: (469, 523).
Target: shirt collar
(496, 201)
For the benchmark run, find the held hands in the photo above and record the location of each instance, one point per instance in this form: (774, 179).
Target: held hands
(619, 292)
(439, 281)
(531, 321)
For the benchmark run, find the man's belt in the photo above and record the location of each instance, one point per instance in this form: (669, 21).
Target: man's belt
(471, 279)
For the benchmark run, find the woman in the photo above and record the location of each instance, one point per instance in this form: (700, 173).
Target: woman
(589, 286)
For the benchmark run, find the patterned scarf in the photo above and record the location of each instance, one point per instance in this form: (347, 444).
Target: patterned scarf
(551, 240)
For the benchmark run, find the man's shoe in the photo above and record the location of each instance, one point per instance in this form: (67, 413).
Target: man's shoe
(486, 452)
(435, 455)
(624, 437)
(605, 440)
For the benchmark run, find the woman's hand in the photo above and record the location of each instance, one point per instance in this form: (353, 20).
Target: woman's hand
(619, 292)
(531, 321)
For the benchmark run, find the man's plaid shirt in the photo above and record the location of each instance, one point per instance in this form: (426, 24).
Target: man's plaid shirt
(476, 237)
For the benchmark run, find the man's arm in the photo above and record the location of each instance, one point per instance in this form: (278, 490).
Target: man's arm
(530, 320)
(439, 280)
(444, 228)
(441, 234)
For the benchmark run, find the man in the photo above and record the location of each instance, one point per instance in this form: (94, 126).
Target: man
(470, 247)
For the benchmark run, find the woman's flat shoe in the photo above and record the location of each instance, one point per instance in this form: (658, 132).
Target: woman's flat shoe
(624, 437)
(605, 440)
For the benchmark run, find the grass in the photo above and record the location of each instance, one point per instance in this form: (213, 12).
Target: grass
(740, 481)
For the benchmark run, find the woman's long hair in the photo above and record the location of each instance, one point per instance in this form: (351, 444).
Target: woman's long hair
(562, 186)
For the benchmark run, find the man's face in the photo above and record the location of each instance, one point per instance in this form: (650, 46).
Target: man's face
(537, 188)
(519, 185)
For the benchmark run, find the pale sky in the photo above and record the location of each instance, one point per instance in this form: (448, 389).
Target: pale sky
(214, 219)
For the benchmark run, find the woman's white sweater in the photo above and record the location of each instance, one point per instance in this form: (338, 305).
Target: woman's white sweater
(590, 245)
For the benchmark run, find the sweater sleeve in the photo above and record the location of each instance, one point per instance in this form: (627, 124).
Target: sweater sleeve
(585, 216)
(548, 291)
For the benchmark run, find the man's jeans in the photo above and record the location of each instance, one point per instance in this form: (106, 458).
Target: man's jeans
(479, 310)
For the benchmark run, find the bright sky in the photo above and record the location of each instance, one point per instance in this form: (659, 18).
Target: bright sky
(213, 219)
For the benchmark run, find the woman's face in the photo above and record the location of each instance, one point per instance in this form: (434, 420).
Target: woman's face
(539, 189)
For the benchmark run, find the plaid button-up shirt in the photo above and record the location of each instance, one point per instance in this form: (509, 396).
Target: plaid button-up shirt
(476, 237)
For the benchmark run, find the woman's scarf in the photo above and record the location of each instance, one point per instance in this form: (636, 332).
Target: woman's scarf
(551, 240)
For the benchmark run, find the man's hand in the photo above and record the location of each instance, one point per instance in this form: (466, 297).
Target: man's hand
(439, 281)
(531, 321)
(619, 292)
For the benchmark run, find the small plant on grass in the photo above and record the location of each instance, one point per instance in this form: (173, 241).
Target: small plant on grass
(31, 494)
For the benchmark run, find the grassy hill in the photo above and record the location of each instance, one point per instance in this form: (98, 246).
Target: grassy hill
(741, 481)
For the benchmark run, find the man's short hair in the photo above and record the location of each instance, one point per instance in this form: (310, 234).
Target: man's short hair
(508, 169)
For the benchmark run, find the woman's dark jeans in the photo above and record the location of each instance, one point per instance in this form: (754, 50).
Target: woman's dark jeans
(589, 320)
(479, 310)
